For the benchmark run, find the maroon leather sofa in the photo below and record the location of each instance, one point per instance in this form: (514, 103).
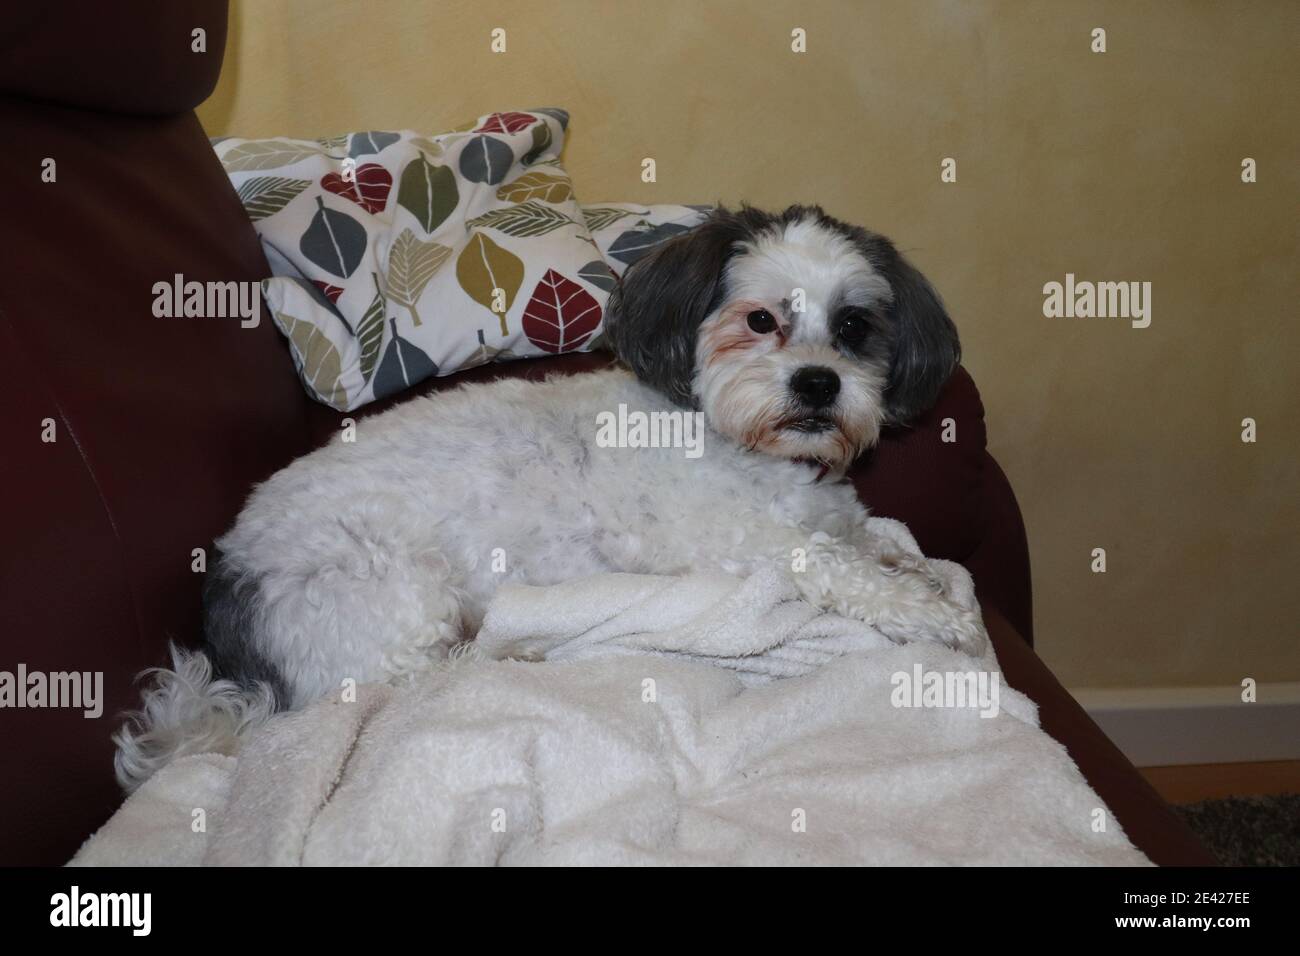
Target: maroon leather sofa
(163, 425)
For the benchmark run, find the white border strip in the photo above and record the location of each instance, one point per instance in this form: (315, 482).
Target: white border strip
(1168, 726)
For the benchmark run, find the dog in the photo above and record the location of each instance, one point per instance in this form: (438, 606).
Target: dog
(796, 336)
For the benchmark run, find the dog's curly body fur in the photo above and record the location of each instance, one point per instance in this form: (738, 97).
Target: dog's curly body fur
(374, 557)
(795, 336)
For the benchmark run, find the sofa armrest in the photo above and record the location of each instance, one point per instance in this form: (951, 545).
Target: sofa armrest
(1000, 562)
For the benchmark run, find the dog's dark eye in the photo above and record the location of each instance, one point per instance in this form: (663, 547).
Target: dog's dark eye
(853, 328)
(762, 321)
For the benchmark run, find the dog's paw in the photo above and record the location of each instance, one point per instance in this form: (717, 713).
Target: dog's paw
(905, 596)
(962, 629)
(936, 619)
(924, 603)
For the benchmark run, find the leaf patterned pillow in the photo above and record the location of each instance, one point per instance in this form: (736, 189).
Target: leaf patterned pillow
(398, 256)
(624, 232)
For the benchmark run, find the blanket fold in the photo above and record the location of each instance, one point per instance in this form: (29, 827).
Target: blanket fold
(641, 719)
(757, 626)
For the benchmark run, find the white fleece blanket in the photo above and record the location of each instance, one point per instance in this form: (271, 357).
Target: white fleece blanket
(639, 720)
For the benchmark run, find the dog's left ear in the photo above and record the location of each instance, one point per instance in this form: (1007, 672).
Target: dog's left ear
(926, 348)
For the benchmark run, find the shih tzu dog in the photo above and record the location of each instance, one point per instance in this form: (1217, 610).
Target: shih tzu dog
(796, 336)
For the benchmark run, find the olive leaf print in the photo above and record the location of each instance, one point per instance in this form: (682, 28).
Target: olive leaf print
(333, 142)
(436, 147)
(429, 147)
(599, 274)
(317, 358)
(334, 241)
(370, 331)
(542, 140)
(482, 268)
(506, 123)
(561, 314)
(266, 154)
(486, 159)
(411, 264)
(264, 196)
(484, 354)
(601, 217)
(547, 187)
(633, 244)
(403, 366)
(368, 187)
(428, 192)
(364, 144)
(528, 219)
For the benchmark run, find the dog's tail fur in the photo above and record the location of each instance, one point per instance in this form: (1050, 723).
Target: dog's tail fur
(186, 710)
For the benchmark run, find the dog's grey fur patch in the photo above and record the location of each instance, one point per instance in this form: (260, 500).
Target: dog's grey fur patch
(232, 603)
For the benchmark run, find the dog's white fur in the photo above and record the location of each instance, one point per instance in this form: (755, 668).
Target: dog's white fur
(373, 558)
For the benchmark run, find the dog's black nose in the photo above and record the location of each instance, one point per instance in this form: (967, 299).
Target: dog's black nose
(816, 385)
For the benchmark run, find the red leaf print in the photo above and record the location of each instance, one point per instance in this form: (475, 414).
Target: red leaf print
(506, 123)
(561, 314)
(370, 191)
(332, 291)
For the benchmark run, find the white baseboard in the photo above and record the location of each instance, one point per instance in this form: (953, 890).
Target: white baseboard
(1167, 726)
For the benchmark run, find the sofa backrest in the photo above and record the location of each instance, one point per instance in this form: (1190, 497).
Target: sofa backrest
(158, 425)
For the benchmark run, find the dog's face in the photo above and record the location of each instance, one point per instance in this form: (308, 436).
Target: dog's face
(795, 334)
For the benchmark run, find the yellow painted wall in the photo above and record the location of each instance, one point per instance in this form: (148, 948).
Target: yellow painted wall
(1116, 166)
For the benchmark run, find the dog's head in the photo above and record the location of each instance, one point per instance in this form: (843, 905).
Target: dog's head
(795, 334)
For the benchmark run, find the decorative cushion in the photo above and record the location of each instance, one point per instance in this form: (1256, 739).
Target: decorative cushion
(624, 232)
(398, 257)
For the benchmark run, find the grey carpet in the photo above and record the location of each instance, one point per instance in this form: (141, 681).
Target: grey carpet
(1248, 831)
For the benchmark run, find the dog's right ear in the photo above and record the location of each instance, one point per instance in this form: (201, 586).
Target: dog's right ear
(654, 314)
